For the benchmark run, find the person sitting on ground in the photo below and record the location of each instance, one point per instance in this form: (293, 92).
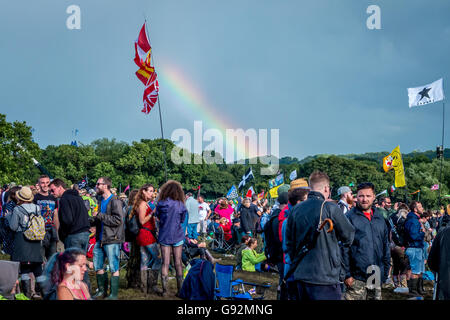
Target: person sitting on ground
(243, 245)
(64, 273)
(251, 260)
(193, 248)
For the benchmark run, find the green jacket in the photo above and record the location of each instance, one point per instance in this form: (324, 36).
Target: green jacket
(250, 258)
(92, 204)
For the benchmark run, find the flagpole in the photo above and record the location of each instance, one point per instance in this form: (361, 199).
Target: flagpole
(159, 109)
(442, 157)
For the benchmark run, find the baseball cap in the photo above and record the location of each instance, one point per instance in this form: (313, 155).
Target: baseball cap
(343, 190)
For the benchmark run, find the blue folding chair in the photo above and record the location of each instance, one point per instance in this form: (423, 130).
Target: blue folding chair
(226, 286)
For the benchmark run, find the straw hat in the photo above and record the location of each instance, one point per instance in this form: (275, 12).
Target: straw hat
(25, 194)
(298, 183)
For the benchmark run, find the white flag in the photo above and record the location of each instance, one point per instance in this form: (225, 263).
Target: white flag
(429, 93)
(293, 175)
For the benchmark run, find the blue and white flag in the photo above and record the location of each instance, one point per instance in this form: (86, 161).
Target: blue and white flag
(279, 180)
(293, 175)
(232, 193)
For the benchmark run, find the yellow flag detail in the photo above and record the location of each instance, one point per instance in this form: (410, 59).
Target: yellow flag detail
(394, 161)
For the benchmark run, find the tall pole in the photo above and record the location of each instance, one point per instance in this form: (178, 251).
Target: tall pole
(442, 156)
(160, 117)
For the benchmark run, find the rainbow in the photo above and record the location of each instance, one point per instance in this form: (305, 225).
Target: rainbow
(173, 80)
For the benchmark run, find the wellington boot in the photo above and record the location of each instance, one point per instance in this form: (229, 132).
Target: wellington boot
(164, 282)
(152, 282)
(101, 288)
(114, 288)
(26, 287)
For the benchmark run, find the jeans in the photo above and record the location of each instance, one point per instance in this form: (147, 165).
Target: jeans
(416, 260)
(308, 291)
(77, 240)
(150, 257)
(111, 251)
(192, 231)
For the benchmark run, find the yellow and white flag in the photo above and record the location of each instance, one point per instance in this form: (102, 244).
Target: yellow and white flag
(394, 161)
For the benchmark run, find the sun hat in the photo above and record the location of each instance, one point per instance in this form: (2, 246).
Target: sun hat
(25, 194)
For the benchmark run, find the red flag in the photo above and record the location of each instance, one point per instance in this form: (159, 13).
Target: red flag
(142, 48)
(250, 192)
(150, 94)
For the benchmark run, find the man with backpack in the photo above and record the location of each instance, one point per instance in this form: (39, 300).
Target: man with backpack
(47, 204)
(314, 247)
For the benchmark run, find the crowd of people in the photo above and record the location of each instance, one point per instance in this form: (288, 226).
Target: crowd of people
(321, 248)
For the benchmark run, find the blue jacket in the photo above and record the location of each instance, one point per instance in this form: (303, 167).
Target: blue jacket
(171, 215)
(370, 246)
(413, 231)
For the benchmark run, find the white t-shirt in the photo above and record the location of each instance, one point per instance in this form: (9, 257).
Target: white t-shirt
(203, 209)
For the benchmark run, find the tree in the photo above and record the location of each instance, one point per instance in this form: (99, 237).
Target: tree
(16, 164)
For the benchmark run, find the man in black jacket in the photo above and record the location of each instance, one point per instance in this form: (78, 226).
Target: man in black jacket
(439, 262)
(367, 261)
(317, 274)
(109, 222)
(73, 216)
(73, 219)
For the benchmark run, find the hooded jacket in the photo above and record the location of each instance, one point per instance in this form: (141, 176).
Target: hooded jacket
(322, 264)
(413, 231)
(72, 213)
(370, 246)
(171, 215)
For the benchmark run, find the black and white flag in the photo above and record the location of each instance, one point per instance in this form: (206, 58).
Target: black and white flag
(246, 177)
(429, 93)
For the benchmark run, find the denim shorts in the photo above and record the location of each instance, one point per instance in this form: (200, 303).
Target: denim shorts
(416, 260)
(110, 251)
(179, 243)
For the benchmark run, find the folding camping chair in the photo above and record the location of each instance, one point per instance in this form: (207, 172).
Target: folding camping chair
(124, 255)
(228, 288)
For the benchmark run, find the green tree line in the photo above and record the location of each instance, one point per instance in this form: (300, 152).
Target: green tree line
(142, 162)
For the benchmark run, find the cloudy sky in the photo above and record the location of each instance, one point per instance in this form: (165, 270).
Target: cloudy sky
(309, 68)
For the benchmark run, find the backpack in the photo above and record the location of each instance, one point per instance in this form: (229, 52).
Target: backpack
(132, 227)
(398, 230)
(273, 249)
(35, 228)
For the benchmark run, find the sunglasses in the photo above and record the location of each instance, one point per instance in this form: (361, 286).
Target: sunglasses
(99, 184)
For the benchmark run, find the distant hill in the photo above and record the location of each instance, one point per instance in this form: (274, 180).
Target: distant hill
(370, 156)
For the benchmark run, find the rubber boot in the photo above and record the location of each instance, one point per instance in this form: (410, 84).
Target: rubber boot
(144, 281)
(114, 288)
(179, 285)
(164, 281)
(26, 287)
(420, 288)
(39, 288)
(152, 282)
(412, 285)
(101, 290)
